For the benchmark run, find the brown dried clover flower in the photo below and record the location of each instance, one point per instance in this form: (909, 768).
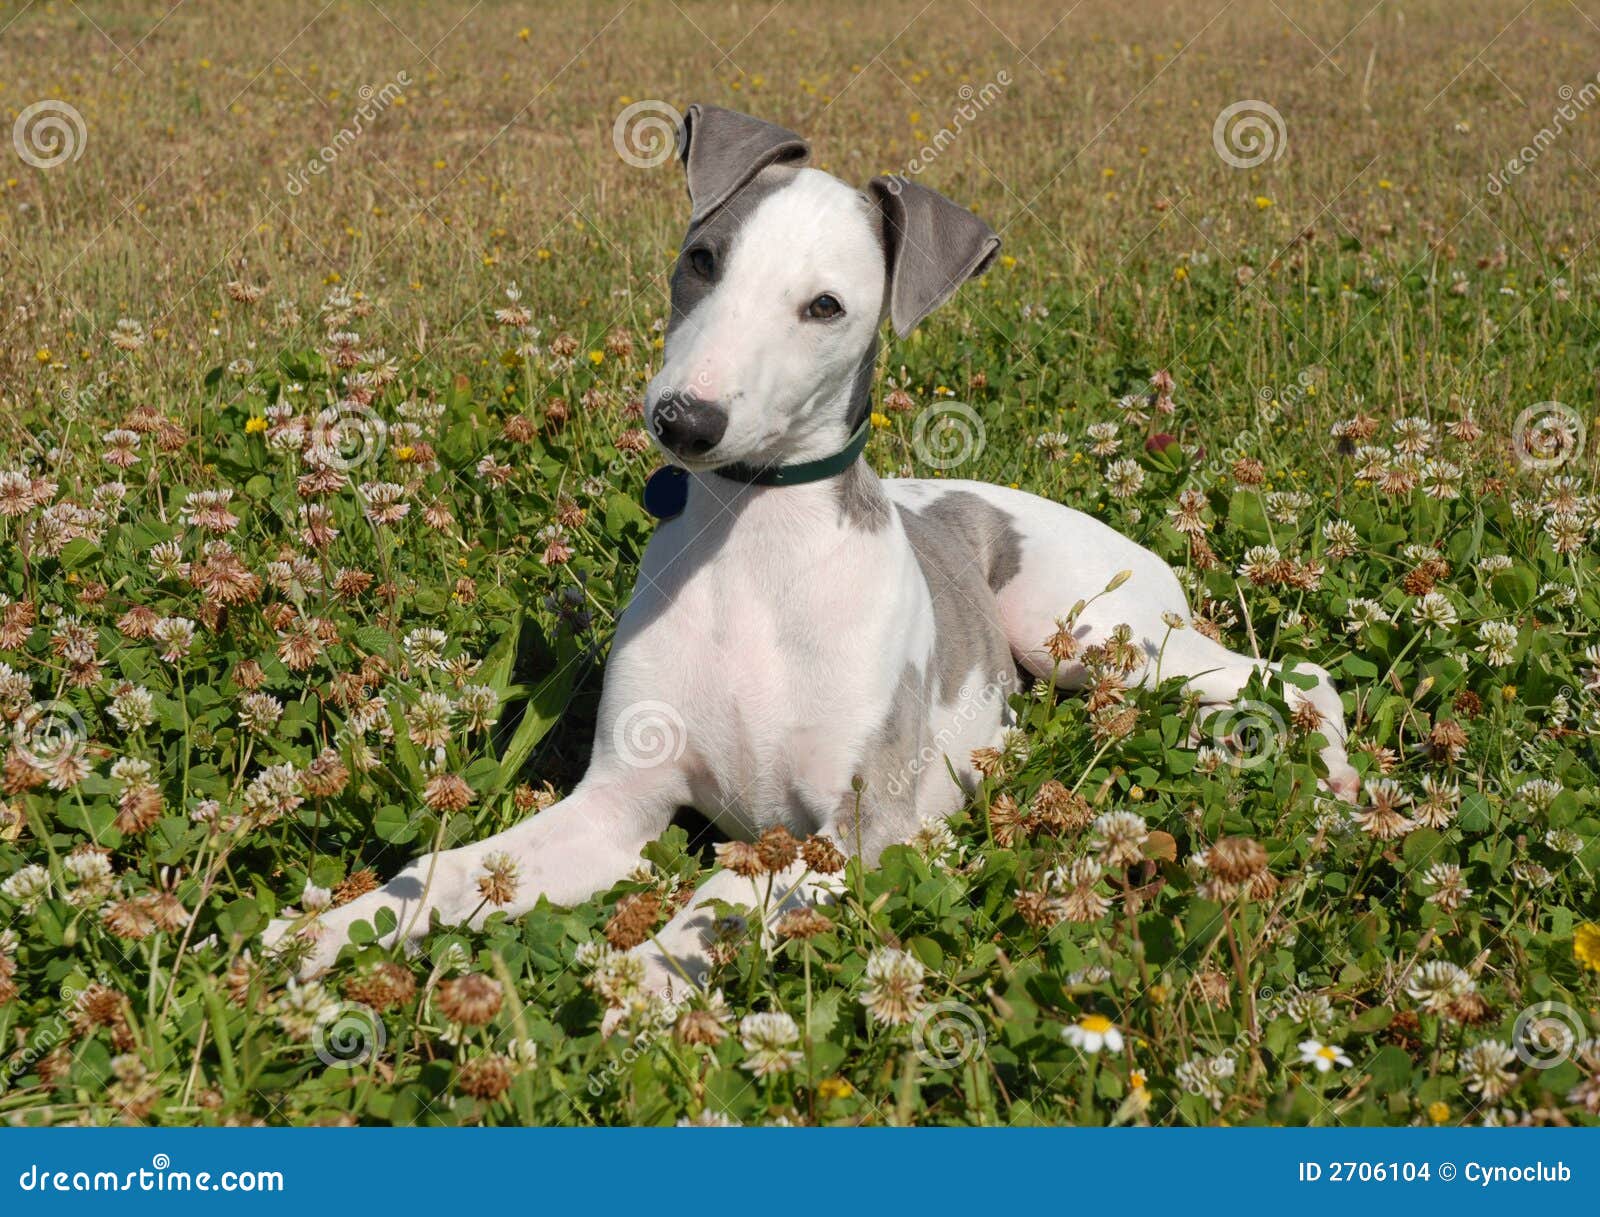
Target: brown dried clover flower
(803, 923)
(470, 1000)
(1236, 859)
(99, 1006)
(138, 809)
(634, 920)
(128, 919)
(777, 849)
(1040, 910)
(1060, 809)
(699, 1027)
(485, 1077)
(1213, 988)
(448, 792)
(356, 883)
(382, 986)
(1447, 740)
(822, 856)
(741, 857)
(1009, 822)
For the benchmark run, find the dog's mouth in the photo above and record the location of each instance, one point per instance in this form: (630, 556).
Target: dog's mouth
(694, 455)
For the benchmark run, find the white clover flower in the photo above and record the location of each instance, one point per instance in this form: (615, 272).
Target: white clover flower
(425, 647)
(1499, 640)
(315, 899)
(893, 986)
(26, 886)
(769, 1040)
(133, 709)
(1124, 479)
(1434, 610)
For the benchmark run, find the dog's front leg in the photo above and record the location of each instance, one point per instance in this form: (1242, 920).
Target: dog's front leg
(568, 852)
(677, 959)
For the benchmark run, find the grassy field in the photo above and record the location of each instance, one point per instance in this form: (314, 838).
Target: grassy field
(273, 273)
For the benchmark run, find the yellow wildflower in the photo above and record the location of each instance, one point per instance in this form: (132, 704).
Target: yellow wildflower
(1586, 945)
(835, 1088)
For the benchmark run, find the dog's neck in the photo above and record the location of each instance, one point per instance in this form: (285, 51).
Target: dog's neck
(786, 519)
(852, 498)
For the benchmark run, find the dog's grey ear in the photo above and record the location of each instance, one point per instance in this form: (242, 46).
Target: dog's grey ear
(723, 149)
(933, 247)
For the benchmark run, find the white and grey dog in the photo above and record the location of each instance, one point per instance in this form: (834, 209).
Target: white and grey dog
(809, 634)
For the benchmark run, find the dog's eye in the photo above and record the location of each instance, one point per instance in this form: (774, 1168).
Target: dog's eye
(702, 263)
(824, 308)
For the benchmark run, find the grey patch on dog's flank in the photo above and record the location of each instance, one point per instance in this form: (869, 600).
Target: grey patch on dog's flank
(862, 503)
(888, 770)
(717, 234)
(968, 550)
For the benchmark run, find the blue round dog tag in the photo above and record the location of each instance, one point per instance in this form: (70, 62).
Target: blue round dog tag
(667, 492)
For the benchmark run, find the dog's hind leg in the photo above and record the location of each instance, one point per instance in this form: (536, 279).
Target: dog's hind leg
(566, 853)
(1061, 557)
(1219, 675)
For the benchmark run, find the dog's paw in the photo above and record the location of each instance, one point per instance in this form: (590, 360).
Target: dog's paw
(1344, 785)
(306, 947)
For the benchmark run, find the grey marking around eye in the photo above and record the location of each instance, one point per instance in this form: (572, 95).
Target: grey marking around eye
(718, 234)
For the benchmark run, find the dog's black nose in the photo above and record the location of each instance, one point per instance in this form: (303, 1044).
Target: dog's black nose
(687, 425)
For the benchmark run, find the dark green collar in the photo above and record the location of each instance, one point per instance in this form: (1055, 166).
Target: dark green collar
(666, 492)
(806, 471)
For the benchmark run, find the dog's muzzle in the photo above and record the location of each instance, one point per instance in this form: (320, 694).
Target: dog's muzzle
(686, 425)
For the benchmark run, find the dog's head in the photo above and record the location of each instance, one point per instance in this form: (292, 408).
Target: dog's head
(781, 284)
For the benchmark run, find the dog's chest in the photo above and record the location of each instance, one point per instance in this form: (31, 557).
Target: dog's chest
(781, 662)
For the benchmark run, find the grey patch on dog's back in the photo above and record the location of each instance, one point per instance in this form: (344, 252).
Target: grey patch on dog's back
(717, 234)
(968, 550)
(971, 526)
